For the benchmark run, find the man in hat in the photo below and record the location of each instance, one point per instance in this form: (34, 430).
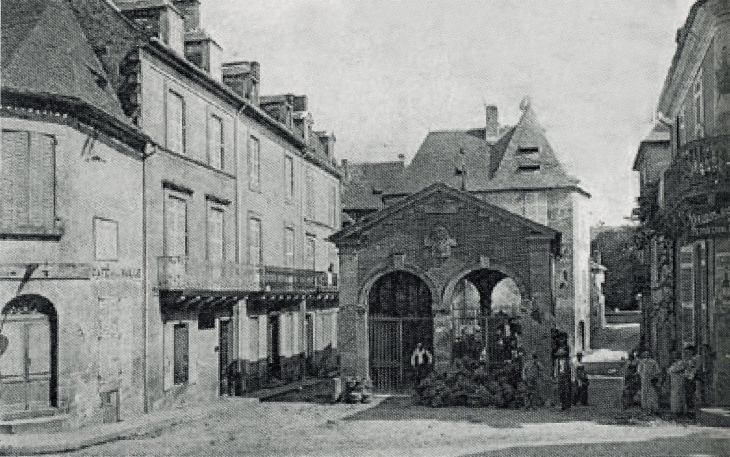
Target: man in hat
(691, 365)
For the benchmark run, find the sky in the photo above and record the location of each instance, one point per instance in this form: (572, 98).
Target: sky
(380, 74)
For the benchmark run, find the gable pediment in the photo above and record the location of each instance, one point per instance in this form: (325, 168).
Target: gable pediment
(440, 200)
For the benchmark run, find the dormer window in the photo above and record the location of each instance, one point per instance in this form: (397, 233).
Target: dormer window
(528, 150)
(531, 168)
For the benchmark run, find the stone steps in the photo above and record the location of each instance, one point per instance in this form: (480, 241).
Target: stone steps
(714, 417)
(46, 424)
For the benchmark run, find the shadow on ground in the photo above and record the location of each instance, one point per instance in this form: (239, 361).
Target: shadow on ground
(404, 408)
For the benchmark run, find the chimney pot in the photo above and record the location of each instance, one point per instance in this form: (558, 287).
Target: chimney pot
(491, 130)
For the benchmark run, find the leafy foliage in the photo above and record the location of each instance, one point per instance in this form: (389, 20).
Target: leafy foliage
(622, 258)
(469, 383)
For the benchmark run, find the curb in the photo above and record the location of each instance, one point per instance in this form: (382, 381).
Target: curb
(75, 444)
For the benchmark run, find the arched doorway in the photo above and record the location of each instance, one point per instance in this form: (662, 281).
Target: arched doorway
(29, 366)
(484, 308)
(400, 317)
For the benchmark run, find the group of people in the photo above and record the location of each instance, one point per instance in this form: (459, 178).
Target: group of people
(643, 377)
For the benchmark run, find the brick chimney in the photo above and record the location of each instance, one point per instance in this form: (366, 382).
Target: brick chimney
(202, 50)
(190, 10)
(328, 143)
(346, 170)
(243, 78)
(491, 130)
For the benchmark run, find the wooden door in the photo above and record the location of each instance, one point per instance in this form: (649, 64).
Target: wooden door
(180, 353)
(25, 368)
(273, 347)
(224, 355)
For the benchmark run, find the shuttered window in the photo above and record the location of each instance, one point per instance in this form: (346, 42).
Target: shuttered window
(215, 234)
(254, 242)
(215, 142)
(27, 182)
(535, 205)
(175, 122)
(176, 234)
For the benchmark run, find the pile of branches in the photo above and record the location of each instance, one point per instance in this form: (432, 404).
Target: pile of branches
(469, 383)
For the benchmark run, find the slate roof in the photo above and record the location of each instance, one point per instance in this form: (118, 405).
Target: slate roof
(444, 155)
(511, 174)
(442, 158)
(45, 53)
(364, 178)
(441, 188)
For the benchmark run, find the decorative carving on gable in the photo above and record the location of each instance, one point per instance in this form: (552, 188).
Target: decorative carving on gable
(440, 242)
(442, 206)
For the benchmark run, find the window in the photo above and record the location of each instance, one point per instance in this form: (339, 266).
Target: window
(528, 168)
(105, 239)
(180, 353)
(254, 163)
(215, 142)
(528, 150)
(254, 242)
(332, 206)
(289, 247)
(175, 122)
(699, 106)
(253, 338)
(535, 204)
(310, 261)
(215, 234)
(310, 196)
(27, 182)
(176, 232)
(289, 177)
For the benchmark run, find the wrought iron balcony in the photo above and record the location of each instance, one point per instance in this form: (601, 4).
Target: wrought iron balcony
(277, 279)
(700, 167)
(180, 273)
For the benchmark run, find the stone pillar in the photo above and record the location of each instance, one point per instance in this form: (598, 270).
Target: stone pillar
(540, 275)
(442, 340)
(353, 328)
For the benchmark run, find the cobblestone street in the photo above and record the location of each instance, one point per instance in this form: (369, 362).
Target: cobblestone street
(394, 426)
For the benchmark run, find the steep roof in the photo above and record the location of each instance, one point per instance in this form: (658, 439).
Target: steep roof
(367, 181)
(444, 157)
(519, 169)
(440, 188)
(45, 52)
(659, 134)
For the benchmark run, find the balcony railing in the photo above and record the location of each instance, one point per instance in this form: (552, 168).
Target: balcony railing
(701, 166)
(277, 279)
(175, 273)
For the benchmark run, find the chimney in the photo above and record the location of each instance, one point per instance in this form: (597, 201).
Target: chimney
(243, 78)
(346, 169)
(190, 10)
(163, 21)
(491, 131)
(328, 142)
(204, 52)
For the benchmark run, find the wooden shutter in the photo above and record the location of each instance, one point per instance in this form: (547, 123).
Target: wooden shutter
(215, 235)
(175, 226)
(14, 179)
(41, 177)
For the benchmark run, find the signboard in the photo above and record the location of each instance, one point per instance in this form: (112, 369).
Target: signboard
(711, 223)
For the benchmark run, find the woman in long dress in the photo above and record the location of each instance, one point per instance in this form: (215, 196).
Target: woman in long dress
(676, 379)
(648, 370)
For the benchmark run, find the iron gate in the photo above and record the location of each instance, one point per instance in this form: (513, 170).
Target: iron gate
(392, 340)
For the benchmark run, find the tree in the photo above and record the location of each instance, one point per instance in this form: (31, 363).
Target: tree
(624, 267)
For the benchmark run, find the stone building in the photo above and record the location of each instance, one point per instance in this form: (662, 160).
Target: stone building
(685, 203)
(511, 167)
(71, 219)
(209, 204)
(402, 274)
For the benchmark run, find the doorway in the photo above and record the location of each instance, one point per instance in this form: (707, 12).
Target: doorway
(224, 356)
(400, 317)
(28, 368)
(273, 353)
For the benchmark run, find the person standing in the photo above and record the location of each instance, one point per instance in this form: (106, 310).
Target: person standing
(580, 381)
(632, 381)
(676, 378)
(648, 370)
(562, 373)
(421, 360)
(691, 367)
(532, 373)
